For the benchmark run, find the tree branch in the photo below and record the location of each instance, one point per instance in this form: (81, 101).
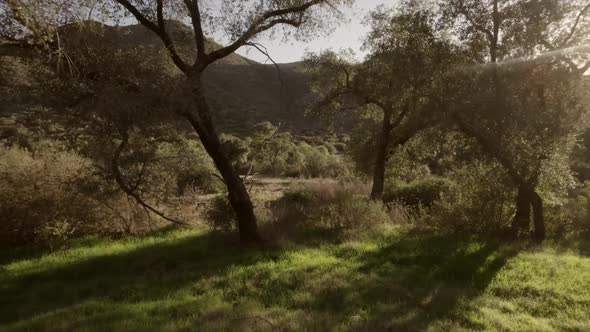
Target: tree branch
(565, 59)
(195, 14)
(463, 11)
(264, 51)
(159, 29)
(575, 26)
(401, 116)
(262, 23)
(130, 191)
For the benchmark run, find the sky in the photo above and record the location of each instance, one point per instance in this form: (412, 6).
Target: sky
(347, 35)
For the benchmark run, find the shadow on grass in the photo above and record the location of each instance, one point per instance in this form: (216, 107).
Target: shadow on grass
(408, 283)
(578, 243)
(151, 272)
(416, 280)
(34, 251)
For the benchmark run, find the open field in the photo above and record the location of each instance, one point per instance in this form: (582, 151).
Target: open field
(196, 280)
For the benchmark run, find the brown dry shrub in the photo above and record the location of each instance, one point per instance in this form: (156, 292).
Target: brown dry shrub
(343, 209)
(54, 195)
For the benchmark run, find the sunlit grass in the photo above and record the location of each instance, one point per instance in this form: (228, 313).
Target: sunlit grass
(193, 280)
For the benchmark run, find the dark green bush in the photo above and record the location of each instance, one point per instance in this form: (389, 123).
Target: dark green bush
(219, 215)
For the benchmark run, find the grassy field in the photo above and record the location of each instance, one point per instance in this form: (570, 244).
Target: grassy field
(194, 280)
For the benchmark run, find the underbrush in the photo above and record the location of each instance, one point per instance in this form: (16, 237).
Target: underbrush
(471, 200)
(45, 197)
(54, 195)
(341, 210)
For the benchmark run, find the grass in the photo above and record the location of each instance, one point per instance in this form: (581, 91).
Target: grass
(196, 280)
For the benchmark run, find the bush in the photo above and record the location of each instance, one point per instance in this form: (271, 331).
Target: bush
(576, 212)
(339, 208)
(416, 194)
(278, 154)
(479, 199)
(54, 194)
(220, 215)
(44, 196)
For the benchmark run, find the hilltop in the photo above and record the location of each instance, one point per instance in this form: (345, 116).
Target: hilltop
(242, 92)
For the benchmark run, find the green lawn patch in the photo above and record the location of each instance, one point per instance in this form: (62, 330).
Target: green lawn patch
(196, 280)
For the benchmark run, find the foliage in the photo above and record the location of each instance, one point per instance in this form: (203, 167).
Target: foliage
(577, 210)
(219, 215)
(271, 152)
(418, 193)
(47, 196)
(51, 193)
(336, 207)
(479, 200)
(580, 162)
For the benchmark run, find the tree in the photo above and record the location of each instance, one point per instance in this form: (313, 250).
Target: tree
(520, 98)
(398, 78)
(242, 22)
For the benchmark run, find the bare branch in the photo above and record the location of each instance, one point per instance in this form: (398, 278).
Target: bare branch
(263, 23)
(264, 51)
(584, 69)
(159, 29)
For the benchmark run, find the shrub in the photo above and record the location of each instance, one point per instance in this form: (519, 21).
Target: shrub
(419, 193)
(329, 206)
(400, 214)
(340, 147)
(220, 215)
(54, 195)
(201, 180)
(44, 196)
(478, 200)
(576, 212)
(55, 233)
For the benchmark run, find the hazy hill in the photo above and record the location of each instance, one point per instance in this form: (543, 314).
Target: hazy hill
(242, 92)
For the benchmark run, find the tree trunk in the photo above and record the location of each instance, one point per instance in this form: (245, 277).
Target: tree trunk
(538, 218)
(526, 198)
(381, 158)
(237, 194)
(522, 218)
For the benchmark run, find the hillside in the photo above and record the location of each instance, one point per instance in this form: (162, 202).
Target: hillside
(242, 92)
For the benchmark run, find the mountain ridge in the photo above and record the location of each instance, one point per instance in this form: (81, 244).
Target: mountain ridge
(241, 91)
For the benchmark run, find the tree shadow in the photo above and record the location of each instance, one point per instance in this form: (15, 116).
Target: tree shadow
(151, 272)
(408, 282)
(415, 280)
(35, 251)
(578, 243)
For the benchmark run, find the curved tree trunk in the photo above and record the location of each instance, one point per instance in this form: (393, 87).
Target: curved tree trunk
(237, 194)
(381, 158)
